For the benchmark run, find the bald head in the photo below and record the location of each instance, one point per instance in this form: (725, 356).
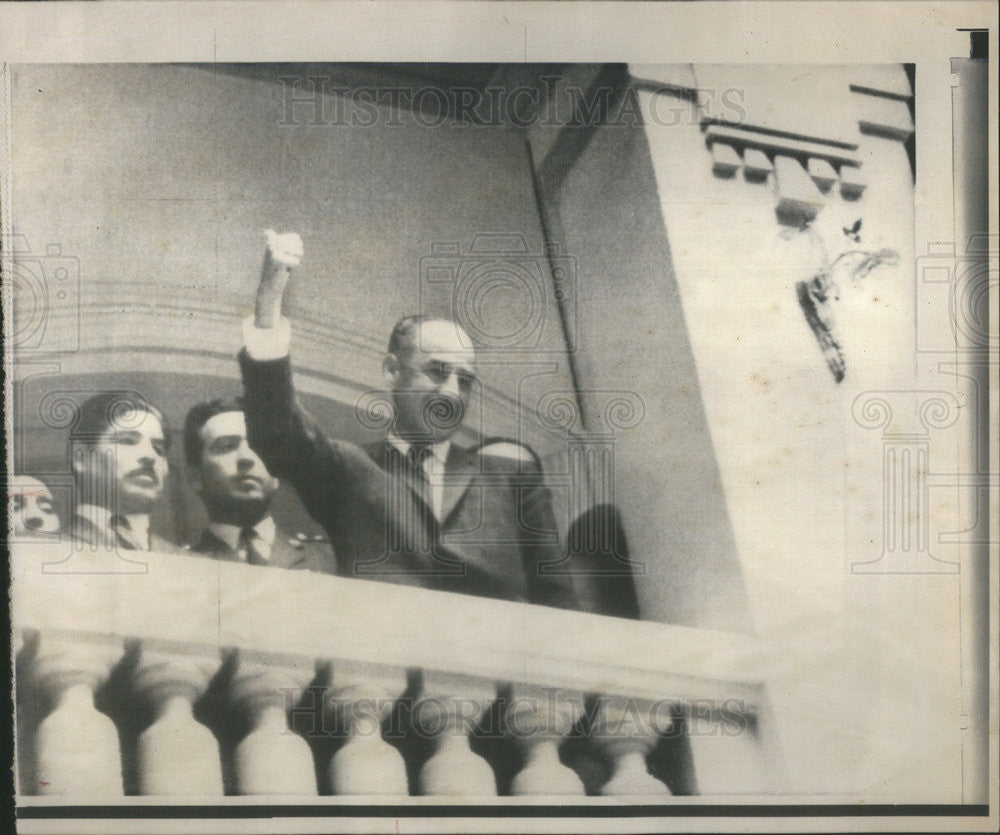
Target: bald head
(439, 335)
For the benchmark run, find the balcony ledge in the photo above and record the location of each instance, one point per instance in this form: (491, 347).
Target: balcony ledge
(193, 605)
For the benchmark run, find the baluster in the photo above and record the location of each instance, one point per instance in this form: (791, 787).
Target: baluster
(452, 706)
(177, 754)
(725, 748)
(627, 732)
(26, 706)
(272, 758)
(539, 719)
(77, 749)
(360, 698)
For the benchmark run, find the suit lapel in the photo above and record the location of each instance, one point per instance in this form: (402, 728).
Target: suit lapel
(459, 469)
(284, 555)
(86, 530)
(127, 540)
(211, 544)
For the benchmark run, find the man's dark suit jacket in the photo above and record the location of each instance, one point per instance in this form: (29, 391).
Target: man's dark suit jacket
(85, 531)
(498, 530)
(312, 556)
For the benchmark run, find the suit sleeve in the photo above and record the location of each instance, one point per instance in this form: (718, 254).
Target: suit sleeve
(546, 573)
(339, 484)
(549, 581)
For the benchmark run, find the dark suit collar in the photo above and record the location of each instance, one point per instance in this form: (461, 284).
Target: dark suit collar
(283, 555)
(211, 544)
(98, 526)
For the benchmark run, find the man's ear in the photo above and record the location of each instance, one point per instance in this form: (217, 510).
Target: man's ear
(391, 368)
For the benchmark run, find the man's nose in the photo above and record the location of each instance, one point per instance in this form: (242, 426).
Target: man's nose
(33, 523)
(450, 385)
(245, 456)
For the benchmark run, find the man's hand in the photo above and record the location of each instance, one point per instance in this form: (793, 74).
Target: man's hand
(284, 250)
(282, 254)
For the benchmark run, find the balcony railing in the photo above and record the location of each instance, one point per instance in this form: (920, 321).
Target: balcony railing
(180, 675)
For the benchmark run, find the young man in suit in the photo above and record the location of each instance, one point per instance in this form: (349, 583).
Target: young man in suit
(237, 491)
(415, 508)
(119, 448)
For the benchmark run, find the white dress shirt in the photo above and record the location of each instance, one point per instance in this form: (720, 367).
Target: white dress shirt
(433, 465)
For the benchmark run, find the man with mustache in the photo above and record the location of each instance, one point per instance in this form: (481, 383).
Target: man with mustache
(237, 491)
(416, 507)
(119, 449)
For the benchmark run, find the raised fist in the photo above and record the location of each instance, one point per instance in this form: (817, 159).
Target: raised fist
(284, 250)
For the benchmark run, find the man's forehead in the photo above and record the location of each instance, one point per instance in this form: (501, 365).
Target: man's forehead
(444, 340)
(224, 423)
(135, 420)
(28, 485)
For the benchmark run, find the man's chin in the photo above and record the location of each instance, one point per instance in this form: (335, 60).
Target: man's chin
(239, 510)
(134, 499)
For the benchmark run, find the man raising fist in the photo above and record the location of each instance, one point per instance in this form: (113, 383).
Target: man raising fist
(414, 507)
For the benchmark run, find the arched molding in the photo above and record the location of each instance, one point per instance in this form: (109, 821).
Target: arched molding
(194, 337)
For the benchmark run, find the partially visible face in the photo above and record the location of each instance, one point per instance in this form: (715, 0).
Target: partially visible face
(32, 509)
(131, 456)
(230, 472)
(432, 382)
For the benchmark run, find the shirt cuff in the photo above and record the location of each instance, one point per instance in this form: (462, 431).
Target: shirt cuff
(265, 344)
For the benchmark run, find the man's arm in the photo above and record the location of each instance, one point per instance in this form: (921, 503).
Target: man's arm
(339, 484)
(549, 580)
(288, 441)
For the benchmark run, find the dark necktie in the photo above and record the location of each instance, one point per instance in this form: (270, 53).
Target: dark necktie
(252, 545)
(417, 455)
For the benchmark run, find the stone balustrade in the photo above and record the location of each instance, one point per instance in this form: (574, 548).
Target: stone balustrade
(193, 677)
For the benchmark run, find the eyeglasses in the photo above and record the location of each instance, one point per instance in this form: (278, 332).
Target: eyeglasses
(439, 373)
